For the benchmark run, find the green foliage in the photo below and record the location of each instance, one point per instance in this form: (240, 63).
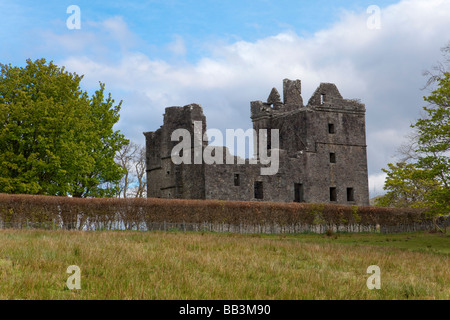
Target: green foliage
(425, 183)
(407, 185)
(356, 216)
(316, 210)
(434, 142)
(54, 138)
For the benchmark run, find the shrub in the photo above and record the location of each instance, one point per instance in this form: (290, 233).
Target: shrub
(110, 213)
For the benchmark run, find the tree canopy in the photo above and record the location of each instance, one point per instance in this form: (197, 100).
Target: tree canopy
(54, 138)
(424, 182)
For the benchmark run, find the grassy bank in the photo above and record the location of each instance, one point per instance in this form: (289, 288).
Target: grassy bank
(176, 265)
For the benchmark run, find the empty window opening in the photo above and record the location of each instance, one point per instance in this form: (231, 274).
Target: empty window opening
(333, 196)
(322, 98)
(330, 128)
(237, 181)
(350, 194)
(168, 172)
(259, 190)
(298, 192)
(332, 157)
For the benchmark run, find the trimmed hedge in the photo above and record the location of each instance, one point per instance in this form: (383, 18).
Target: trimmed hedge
(140, 213)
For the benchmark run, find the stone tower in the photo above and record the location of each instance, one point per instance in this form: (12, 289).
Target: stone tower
(327, 138)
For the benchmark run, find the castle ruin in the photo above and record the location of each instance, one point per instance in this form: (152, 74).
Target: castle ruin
(322, 153)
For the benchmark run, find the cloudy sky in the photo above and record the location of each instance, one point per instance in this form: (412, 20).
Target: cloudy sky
(224, 54)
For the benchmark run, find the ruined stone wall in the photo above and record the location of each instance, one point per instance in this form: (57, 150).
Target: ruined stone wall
(337, 126)
(347, 172)
(309, 135)
(328, 125)
(293, 132)
(164, 178)
(220, 180)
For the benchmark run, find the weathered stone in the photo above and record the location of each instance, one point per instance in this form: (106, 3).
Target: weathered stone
(308, 136)
(274, 98)
(292, 91)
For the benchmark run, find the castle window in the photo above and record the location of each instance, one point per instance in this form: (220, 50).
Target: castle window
(333, 196)
(298, 192)
(332, 157)
(350, 194)
(322, 98)
(330, 128)
(168, 172)
(237, 181)
(259, 190)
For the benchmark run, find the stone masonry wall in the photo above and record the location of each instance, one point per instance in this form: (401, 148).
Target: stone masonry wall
(322, 146)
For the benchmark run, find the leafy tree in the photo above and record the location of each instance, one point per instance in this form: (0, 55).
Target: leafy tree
(425, 181)
(54, 138)
(434, 145)
(408, 186)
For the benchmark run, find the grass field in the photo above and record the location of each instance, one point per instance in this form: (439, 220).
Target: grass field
(177, 265)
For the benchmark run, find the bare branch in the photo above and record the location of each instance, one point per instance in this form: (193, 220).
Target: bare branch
(439, 69)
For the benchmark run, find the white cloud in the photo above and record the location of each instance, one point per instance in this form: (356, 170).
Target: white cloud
(381, 67)
(376, 184)
(116, 30)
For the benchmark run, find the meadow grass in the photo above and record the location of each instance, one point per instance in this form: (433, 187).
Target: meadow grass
(195, 265)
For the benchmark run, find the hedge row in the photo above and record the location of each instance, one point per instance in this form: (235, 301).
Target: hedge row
(136, 213)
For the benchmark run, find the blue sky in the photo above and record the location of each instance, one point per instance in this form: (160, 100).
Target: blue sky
(157, 22)
(224, 54)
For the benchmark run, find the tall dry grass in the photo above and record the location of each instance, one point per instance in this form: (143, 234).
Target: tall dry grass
(157, 265)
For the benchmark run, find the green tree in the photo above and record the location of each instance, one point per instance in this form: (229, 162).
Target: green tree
(407, 186)
(434, 145)
(54, 138)
(425, 181)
